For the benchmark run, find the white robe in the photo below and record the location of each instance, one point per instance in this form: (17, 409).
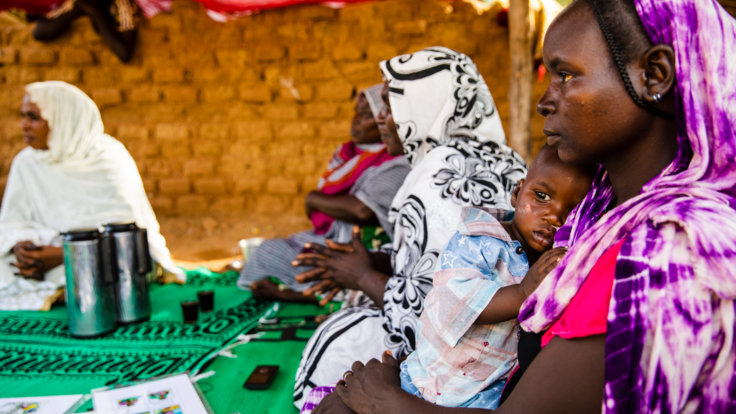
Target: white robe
(85, 179)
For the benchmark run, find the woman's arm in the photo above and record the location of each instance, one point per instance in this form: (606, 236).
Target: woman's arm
(121, 43)
(567, 376)
(346, 208)
(47, 29)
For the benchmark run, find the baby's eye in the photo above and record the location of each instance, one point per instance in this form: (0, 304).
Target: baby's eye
(542, 196)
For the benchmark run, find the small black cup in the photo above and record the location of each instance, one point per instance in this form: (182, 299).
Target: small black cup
(206, 300)
(190, 309)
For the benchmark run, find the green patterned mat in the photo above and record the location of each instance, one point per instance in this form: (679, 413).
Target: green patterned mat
(38, 357)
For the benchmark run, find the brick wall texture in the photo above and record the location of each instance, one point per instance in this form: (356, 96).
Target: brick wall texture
(242, 117)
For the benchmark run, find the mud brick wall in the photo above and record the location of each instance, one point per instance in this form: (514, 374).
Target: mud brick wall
(241, 117)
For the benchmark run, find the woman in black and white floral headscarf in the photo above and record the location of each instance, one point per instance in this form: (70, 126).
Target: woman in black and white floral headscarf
(451, 133)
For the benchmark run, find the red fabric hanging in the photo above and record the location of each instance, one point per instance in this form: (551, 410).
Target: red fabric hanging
(31, 6)
(151, 7)
(250, 6)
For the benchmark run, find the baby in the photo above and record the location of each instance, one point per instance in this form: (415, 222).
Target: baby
(467, 336)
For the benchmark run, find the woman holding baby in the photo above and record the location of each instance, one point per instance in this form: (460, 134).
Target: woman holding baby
(638, 315)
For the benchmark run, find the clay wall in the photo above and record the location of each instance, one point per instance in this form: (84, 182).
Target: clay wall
(240, 118)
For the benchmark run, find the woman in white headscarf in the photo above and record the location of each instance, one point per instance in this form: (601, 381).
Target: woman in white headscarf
(71, 176)
(440, 113)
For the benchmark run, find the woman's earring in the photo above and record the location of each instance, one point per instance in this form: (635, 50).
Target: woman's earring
(657, 97)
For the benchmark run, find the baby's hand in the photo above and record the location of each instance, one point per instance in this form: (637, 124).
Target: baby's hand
(547, 263)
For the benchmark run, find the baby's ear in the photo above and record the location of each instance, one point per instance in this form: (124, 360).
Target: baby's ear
(515, 193)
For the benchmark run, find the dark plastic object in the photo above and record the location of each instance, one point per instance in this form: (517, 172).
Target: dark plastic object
(190, 309)
(262, 377)
(206, 300)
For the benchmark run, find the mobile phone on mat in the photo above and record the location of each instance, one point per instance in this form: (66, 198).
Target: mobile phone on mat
(261, 377)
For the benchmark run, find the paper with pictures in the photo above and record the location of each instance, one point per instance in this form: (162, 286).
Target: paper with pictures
(38, 405)
(169, 395)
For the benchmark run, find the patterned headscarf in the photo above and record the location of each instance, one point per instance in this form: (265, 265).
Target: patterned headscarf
(670, 337)
(435, 74)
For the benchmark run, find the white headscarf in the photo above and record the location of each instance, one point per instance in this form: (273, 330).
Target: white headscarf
(85, 179)
(75, 125)
(454, 141)
(373, 96)
(455, 101)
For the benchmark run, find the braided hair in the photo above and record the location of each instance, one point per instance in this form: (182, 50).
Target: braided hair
(624, 37)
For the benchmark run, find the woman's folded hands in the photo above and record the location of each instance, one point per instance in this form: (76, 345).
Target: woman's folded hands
(336, 267)
(33, 261)
(366, 389)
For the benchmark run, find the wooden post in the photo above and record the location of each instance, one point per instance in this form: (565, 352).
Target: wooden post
(520, 88)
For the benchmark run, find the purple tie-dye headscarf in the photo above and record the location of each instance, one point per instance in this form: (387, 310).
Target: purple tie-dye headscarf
(670, 341)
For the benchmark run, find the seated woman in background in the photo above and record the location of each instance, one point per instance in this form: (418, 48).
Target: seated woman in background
(639, 316)
(439, 111)
(358, 187)
(71, 176)
(115, 20)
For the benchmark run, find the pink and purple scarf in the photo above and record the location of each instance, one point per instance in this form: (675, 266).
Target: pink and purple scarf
(349, 162)
(346, 166)
(670, 341)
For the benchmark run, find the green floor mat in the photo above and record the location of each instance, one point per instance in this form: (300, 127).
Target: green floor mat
(37, 352)
(282, 345)
(38, 357)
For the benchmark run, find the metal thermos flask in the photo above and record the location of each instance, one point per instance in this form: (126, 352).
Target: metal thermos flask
(132, 263)
(90, 303)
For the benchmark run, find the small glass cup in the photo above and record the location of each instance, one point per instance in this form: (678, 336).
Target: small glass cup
(206, 300)
(190, 309)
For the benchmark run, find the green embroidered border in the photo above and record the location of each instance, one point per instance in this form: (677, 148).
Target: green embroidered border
(36, 346)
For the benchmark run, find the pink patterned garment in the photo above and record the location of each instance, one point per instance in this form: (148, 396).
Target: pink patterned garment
(153, 7)
(670, 339)
(348, 163)
(150, 7)
(315, 397)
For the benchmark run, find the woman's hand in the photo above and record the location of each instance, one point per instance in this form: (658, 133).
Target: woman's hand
(326, 286)
(370, 388)
(33, 261)
(332, 404)
(537, 273)
(345, 267)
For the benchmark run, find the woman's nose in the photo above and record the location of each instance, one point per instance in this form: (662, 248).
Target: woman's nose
(24, 124)
(382, 114)
(546, 106)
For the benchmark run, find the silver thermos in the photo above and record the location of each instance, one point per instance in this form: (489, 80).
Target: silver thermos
(131, 264)
(89, 284)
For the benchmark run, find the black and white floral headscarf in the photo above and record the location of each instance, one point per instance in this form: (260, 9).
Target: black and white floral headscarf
(455, 143)
(438, 94)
